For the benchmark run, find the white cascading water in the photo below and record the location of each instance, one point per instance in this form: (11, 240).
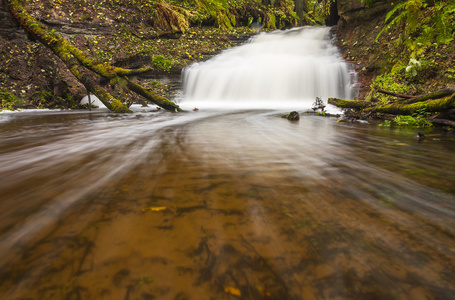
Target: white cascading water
(274, 70)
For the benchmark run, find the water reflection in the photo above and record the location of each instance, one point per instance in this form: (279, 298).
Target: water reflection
(222, 205)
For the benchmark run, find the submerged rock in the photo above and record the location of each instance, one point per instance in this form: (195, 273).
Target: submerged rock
(420, 136)
(292, 116)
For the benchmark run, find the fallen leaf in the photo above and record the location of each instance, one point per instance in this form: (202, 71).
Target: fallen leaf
(232, 290)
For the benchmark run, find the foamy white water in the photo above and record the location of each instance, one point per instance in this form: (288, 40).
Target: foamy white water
(274, 70)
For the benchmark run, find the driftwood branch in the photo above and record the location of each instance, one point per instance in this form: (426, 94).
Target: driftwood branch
(436, 95)
(408, 99)
(443, 122)
(395, 94)
(26, 106)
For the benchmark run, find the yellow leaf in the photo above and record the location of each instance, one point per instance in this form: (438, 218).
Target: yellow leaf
(232, 290)
(156, 208)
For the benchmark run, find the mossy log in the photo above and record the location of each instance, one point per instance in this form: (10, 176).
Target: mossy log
(434, 105)
(87, 71)
(354, 104)
(164, 103)
(433, 102)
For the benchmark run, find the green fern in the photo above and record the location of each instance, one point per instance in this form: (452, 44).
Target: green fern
(435, 24)
(444, 22)
(409, 13)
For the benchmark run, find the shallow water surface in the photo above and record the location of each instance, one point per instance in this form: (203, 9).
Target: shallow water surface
(223, 205)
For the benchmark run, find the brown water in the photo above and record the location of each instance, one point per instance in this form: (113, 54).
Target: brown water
(223, 205)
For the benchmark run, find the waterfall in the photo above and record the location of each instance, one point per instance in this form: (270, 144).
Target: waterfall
(274, 70)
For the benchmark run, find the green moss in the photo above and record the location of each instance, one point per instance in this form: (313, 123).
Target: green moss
(442, 104)
(393, 81)
(40, 98)
(410, 109)
(118, 107)
(167, 104)
(292, 116)
(8, 101)
(355, 104)
(161, 62)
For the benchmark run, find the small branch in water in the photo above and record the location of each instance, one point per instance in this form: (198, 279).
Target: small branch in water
(318, 104)
(89, 101)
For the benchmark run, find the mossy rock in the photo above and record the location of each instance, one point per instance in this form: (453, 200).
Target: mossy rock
(292, 116)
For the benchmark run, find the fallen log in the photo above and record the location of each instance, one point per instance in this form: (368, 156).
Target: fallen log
(440, 101)
(434, 105)
(354, 104)
(163, 102)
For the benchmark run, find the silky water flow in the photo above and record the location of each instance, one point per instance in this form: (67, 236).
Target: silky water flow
(273, 70)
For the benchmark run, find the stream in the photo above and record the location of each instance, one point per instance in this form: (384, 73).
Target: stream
(221, 205)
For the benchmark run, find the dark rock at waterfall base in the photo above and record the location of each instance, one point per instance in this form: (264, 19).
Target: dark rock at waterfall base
(292, 116)
(420, 136)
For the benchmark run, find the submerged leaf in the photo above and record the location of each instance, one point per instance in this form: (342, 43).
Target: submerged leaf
(232, 290)
(156, 208)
